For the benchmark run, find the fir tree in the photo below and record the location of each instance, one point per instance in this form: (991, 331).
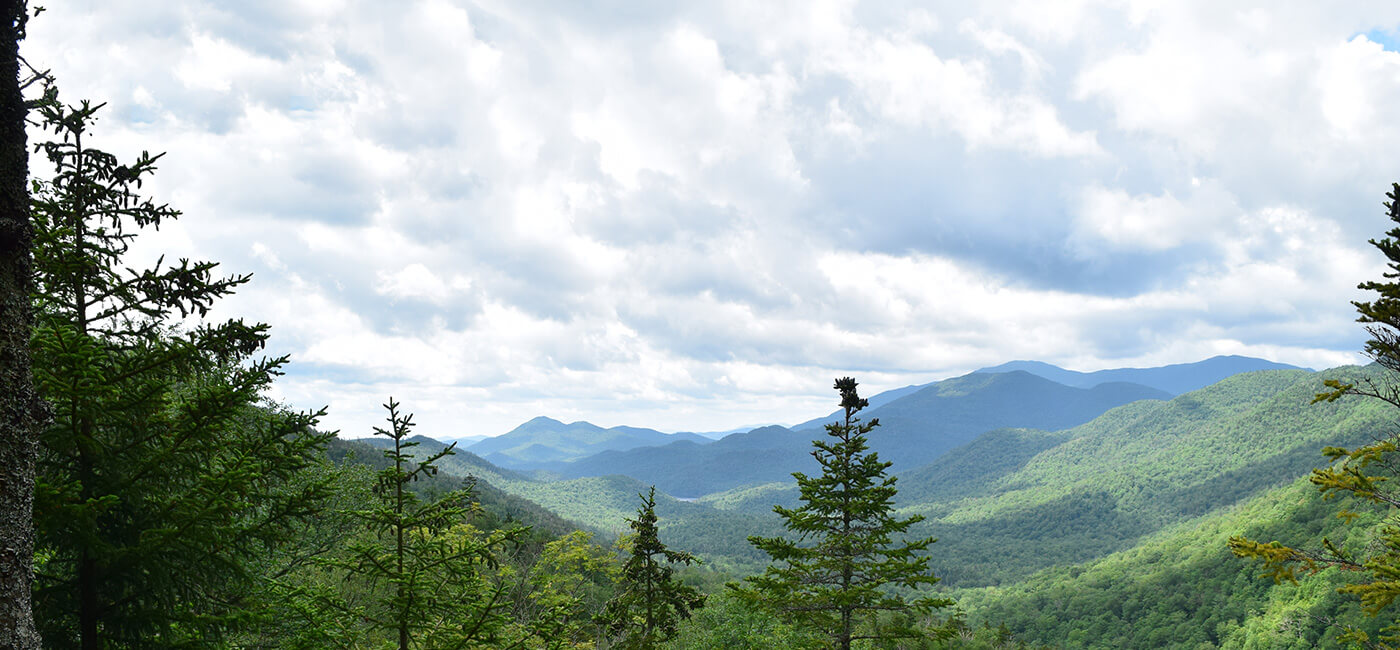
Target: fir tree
(652, 602)
(430, 566)
(1369, 473)
(841, 573)
(163, 476)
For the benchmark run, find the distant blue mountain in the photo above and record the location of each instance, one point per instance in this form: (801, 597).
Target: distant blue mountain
(1175, 379)
(876, 401)
(915, 427)
(716, 435)
(543, 441)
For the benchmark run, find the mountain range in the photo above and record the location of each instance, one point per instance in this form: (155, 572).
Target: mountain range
(926, 421)
(1175, 378)
(544, 440)
(915, 428)
(1105, 533)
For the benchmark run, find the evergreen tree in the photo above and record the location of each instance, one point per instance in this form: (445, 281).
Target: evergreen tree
(841, 573)
(163, 476)
(20, 407)
(429, 564)
(652, 602)
(1369, 474)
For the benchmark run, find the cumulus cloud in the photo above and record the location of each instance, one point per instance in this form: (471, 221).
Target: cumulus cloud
(692, 217)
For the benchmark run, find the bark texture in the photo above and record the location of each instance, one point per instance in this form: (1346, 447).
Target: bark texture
(20, 408)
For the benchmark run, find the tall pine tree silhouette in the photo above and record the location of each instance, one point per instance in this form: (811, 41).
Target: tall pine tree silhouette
(849, 571)
(651, 603)
(428, 567)
(164, 474)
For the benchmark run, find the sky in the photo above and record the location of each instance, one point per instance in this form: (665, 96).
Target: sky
(693, 216)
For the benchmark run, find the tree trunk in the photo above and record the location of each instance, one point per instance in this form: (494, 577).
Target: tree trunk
(20, 408)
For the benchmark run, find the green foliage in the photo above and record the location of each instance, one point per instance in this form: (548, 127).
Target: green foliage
(843, 579)
(564, 588)
(1103, 486)
(1182, 587)
(162, 478)
(652, 602)
(730, 623)
(499, 509)
(430, 566)
(1365, 473)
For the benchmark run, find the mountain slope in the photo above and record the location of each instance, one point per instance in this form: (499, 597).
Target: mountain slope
(496, 501)
(914, 429)
(603, 504)
(1182, 588)
(543, 440)
(1133, 471)
(1175, 379)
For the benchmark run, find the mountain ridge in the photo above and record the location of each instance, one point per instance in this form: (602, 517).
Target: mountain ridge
(915, 428)
(542, 440)
(1176, 378)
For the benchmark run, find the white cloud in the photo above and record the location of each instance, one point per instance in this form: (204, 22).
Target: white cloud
(693, 217)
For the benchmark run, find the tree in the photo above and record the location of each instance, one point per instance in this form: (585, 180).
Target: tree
(652, 602)
(20, 407)
(557, 594)
(1368, 474)
(844, 581)
(164, 474)
(429, 562)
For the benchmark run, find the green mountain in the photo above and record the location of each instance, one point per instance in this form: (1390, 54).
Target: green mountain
(1175, 379)
(598, 503)
(1016, 501)
(968, 470)
(543, 441)
(1109, 534)
(1129, 473)
(916, 428)
(498, 503)
(1182, 588)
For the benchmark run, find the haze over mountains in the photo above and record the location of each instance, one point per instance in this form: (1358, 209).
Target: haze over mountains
(918, 424)
(543, 440)
(1176, 378)
(914, 429)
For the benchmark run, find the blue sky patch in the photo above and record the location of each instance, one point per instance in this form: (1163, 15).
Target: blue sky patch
(1387, 38)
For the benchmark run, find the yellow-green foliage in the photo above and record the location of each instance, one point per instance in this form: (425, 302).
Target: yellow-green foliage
(1182, 587)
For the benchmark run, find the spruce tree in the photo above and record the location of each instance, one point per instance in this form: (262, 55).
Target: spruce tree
(1369, 474)
(164, 475)
(849, 572)
(652, 602)
(429, 568)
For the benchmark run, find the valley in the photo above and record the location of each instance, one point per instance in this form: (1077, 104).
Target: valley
(1030, 486)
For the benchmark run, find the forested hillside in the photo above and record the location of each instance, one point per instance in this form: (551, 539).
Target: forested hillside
(1182, 587)
(1139, 468)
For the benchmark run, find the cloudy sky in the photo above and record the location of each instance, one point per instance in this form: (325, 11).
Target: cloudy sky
(694, 215)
